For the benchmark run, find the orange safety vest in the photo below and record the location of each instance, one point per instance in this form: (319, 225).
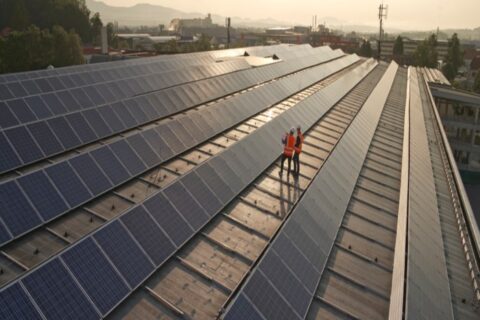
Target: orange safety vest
(289, 145)
(298, 149)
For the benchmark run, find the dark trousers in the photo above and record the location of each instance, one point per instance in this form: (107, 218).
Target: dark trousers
(289, 162)
(296, 163)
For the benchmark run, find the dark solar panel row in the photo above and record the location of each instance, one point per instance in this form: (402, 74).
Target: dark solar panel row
(152, 231)
(286, 278)
(46, 138)
(162, 61)
(75, 181)
(428, 295)
(31, 104)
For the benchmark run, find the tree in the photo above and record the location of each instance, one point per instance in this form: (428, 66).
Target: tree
(426, 53)
(398, 46)
(365, 49)
(19, 19)
(476, 83)
(97, 25)
(454, 59)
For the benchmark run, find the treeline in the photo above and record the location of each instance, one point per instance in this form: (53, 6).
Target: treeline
(34, 49)
(40, 33)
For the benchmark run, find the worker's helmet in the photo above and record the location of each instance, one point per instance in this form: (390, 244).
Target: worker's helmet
(299, 128)
(292, 130)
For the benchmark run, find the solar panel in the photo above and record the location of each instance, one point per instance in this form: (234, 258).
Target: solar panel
(125, 254)
(148, 234)
(227, 174)
(98, 124)
(64, 132)
(90, 173)
(267, 300)
(187, 139)
(170, 138)
(243, 309)
(201, 192)
(82, 98)
(43, 195)
(7, 118)
(157, 144)
(111, 118)
(136, 110)
(8, 157)
(21, 110)
(95, 274)
(216, 184)
(38, 106)
(24, 144)
(128, 157)
(124, 114)
(81, 127)
(186, 205)
(57, 294)
(110, 165)
(142, 148)
(17, 89)
(45, 138)
(68, 100)
(16, 305)
(16, 212)
(67, 181)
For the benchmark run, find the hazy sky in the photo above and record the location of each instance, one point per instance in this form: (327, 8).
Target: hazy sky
(405, 14)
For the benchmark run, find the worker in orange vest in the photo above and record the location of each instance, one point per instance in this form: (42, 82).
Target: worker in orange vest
(298, 150)
(288, 149)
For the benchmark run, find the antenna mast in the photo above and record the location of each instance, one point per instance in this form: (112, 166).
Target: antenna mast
(382, 13)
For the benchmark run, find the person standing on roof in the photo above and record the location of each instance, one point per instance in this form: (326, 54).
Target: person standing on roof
(288, 149)
(298, 150)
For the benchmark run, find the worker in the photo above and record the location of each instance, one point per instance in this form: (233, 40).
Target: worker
(288, 149)
(298, 150)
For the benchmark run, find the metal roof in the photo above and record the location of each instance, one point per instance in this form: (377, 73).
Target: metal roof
(150, 189)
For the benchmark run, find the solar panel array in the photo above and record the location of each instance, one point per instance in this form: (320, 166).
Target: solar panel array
(92, 276)
(285, 280)
(80, 178)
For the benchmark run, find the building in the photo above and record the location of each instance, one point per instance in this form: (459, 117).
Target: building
(150, 189)
(409, 48)
(178, 24)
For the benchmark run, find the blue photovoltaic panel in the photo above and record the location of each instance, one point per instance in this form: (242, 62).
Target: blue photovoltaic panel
(56, 293)
(81, 127)
(124, 114)
(45, 138)
(81, 97)
(21, 110)
(17, 89)
(68, 100)
(90, 173)
(243, 309)
(125, 254)
(44, 85)
(42, 194)
(158, 144)
(128, 157)
(148, 234)
(96, 275)
(51, 99)
(168, 218)
(201, 192)
(24, 144)
(266, 298)
(15, 304)
(213, 180)
(4, 234)
(286, 283)
(8, 158)
(110, 165)
(5, 93)
(15, 211)
(142, 148)
(7, 118)
(38, 106)
(111, 118)
(136, 110)
(68, 183)
(31, 87)
(170, 138)
(186, 205)
(98, 124)
(64, 132)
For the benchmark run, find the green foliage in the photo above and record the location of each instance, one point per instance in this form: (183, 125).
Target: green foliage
(476, 83)
(365, 49)
(70, 14)
(97, 25)
(454, 59)
(426, 54)
(398, 46)
(36, 49)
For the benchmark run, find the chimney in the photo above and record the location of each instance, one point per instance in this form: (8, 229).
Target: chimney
(104, 40)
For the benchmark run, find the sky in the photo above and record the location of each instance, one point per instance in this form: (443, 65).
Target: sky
(403, 14)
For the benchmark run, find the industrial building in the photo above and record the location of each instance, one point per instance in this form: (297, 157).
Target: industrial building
(150, 189)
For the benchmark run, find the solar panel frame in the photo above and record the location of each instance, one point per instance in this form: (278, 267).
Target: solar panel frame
(57, 294)
(148, 234)
(95, 273)
(43, 195)
(124, 252)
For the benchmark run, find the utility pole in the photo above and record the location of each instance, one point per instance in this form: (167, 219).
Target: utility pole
(227, 24)
(382, 13)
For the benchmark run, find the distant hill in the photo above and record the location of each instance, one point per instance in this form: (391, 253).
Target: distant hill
(153, 15)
